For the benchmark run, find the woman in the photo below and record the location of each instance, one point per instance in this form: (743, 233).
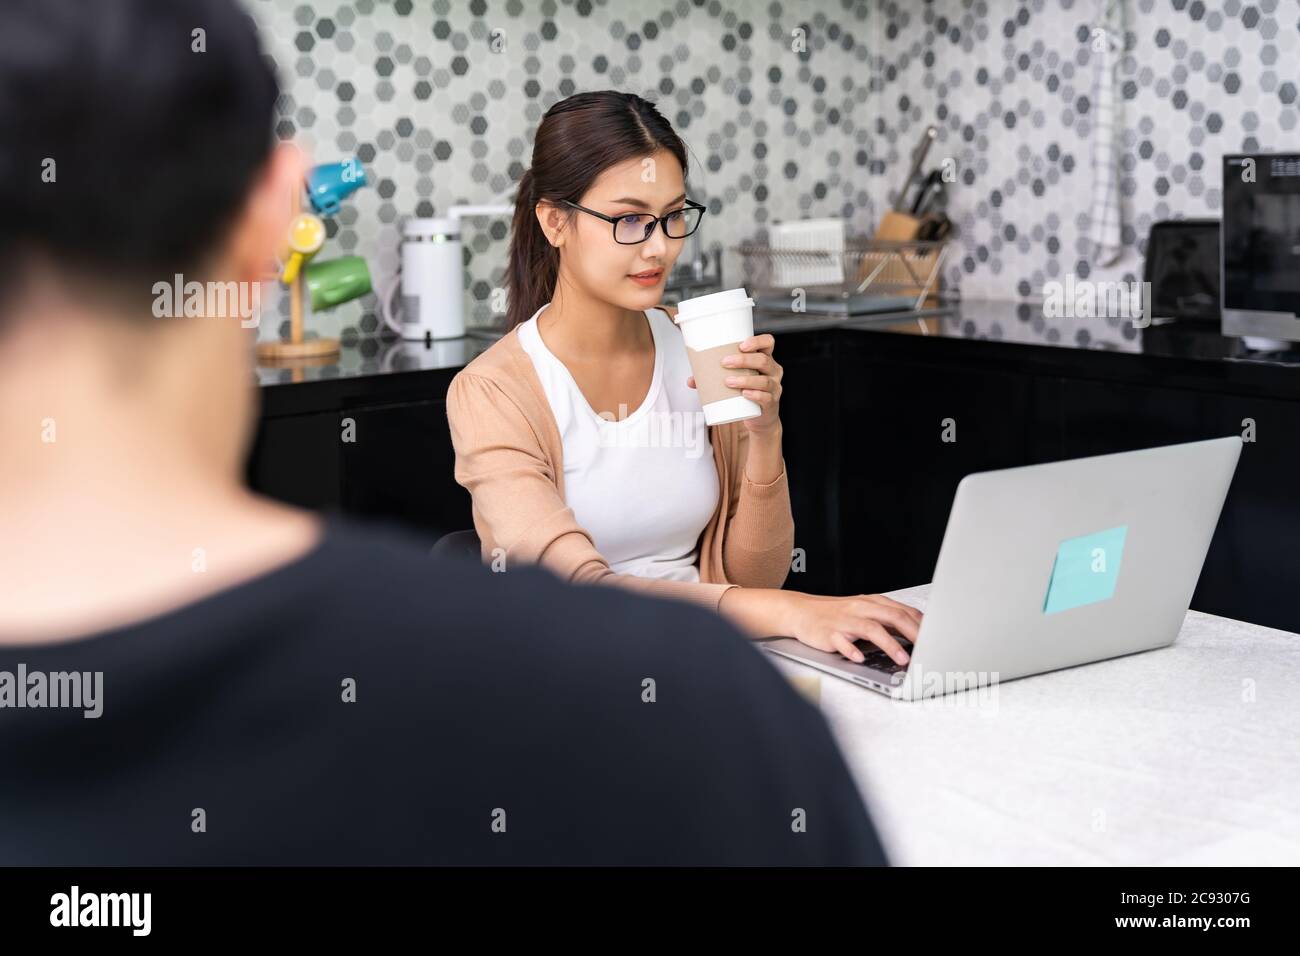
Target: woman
(579, 435)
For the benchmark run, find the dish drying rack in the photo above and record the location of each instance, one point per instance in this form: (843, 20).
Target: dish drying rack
(843, 276)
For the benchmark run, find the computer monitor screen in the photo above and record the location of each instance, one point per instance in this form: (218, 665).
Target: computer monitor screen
(1261, 233)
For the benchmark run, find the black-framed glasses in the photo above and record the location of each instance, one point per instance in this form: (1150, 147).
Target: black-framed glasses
(637, 227)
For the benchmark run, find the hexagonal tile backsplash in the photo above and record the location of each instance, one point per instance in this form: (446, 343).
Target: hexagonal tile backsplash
(1010, 87)
(437, 117)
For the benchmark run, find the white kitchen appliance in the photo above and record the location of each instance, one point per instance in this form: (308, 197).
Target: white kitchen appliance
(432, 280)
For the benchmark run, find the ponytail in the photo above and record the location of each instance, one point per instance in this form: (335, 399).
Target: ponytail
(534, 263)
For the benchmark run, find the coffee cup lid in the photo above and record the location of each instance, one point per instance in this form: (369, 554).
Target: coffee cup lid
(714, 302)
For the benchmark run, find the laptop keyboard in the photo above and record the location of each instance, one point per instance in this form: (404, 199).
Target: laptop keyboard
(879, 660)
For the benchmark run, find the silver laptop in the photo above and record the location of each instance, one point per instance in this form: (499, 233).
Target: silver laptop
(1049, 566)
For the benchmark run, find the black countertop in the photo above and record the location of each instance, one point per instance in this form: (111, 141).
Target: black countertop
(991, 330)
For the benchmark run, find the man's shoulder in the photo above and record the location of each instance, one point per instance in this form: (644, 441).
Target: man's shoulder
(522, 633)
(403, 584)
(576, 695)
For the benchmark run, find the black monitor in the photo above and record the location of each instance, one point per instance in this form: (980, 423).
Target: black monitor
(1261, 245)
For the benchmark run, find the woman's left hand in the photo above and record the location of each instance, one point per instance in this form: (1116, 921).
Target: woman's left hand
(763, 388)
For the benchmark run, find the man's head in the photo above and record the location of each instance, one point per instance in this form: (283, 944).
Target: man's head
(131, 136)
(135, 145)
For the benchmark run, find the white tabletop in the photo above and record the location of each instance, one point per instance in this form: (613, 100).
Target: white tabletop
(1185, 755)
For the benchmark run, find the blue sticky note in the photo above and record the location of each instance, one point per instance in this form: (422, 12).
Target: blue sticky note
(1086, 570)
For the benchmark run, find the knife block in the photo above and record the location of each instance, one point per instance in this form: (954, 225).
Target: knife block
(897, 227)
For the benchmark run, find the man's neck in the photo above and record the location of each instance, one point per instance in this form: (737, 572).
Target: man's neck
(89, 548)
(120, 491)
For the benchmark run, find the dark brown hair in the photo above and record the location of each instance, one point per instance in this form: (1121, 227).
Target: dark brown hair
(578, 139)
(157, 147)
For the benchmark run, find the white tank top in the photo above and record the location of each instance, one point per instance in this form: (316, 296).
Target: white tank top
(645, 487)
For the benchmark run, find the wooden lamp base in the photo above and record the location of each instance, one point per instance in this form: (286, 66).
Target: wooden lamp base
(277, 352)
(297, 350)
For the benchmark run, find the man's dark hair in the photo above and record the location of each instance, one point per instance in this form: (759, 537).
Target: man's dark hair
(154, 144)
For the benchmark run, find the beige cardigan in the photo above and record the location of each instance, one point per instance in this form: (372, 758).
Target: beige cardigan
(509, 456)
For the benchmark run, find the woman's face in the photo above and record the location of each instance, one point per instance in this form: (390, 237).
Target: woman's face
(591, 259)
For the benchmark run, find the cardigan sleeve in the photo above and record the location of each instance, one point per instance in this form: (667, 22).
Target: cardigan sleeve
(516, 499)
(759, 540)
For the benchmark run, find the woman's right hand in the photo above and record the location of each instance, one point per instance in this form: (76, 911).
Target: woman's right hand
(834, 623)
(826, 623)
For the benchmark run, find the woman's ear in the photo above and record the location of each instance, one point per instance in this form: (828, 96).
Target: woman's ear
(552, 220)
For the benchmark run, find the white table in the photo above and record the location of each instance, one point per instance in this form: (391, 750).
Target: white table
(1185, 755)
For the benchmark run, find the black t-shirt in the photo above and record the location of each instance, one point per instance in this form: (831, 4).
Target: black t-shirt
(498, 718)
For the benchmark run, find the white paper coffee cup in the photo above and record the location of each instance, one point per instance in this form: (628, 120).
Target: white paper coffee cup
(712, 326)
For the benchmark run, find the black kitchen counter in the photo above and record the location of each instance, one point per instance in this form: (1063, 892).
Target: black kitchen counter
(1193, 355)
